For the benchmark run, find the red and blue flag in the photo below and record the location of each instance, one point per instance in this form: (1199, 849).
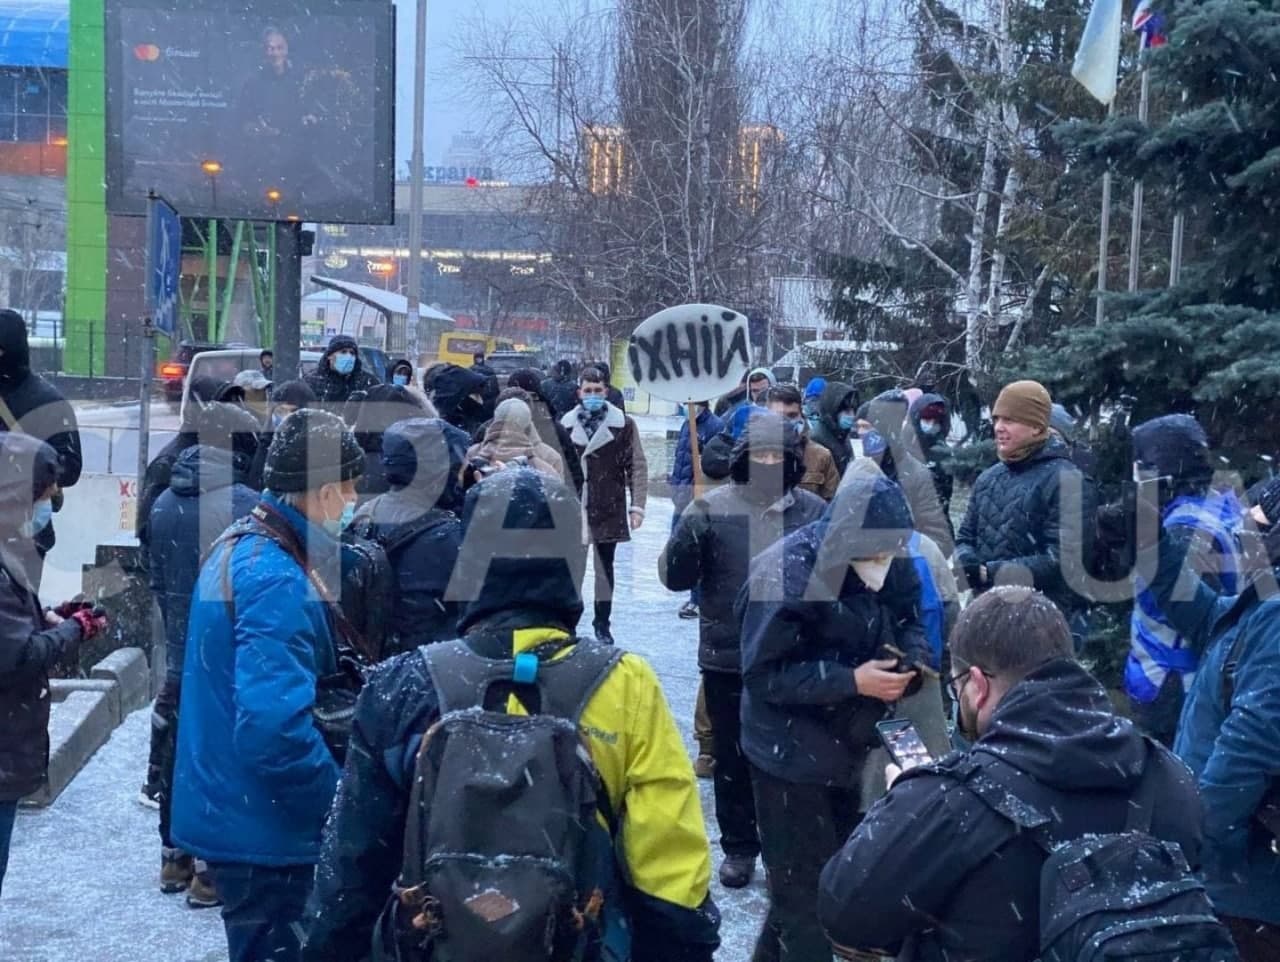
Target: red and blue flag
(1149, 23)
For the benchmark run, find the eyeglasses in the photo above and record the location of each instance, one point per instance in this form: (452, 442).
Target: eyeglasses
(959, 680)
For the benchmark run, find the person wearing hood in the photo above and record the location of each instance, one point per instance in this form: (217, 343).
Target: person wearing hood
(930, 416)
(836, 407)
(400, 373)
(520, 601)
(339, 374)
(1027, 514)
(33, 639)
(934, 872)
(710, 551)
(414, 523)
(735, 410)
(286, 397)
(511, 435)
(547, 423)
(458, 395)
(887, 415)
(750, 392)
(255, 774)
(613, 466)
(681, 477)
(560, 389)
(31, 405)
(207, 492)
(383, 406)
(1204, 524)
(817, 612)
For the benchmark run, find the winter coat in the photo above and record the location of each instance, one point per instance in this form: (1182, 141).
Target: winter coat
(155, 482)
(820, 474)
(554, 435)
(206, 493)
(808, 621)
(827, 431)
(934, 874)
(254, 778)
(503, 443)
(1015, 525)
(561, 393)
(334, 390)
(680, 477)
(613, 464)
(922, 496)
(711, 549)
(451, 388)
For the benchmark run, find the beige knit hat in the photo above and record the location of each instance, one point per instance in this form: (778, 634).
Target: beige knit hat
(1025, 401)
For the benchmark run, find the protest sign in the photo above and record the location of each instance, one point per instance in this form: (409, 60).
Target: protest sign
(693, 352)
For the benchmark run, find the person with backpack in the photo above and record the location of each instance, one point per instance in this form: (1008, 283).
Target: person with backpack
(467, 800)
(258, 733)
(984, 853)
(420, 533)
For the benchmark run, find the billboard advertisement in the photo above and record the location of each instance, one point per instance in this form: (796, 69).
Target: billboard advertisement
(269, 110)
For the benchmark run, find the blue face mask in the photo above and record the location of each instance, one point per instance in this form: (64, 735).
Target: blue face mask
(276, 421)
(41, 518)
(348, 515)
(593, 403)
(798, 425)
(847, 421)
(400, 379)
(344, 363)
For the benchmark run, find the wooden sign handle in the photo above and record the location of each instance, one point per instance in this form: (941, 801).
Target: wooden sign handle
(694, 448)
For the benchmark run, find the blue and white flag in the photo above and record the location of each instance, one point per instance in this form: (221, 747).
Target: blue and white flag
(1098, 60)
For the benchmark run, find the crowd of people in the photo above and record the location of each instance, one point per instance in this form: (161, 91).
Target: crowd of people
(383, 734)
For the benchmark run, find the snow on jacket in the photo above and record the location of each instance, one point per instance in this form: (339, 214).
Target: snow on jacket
(452, 388)
(711, 549)
(680, 478)
(808, 621)
(254, 778)
(933, 873)
(1016, 525)
(206, 493)
(613, 465)
(334, 390)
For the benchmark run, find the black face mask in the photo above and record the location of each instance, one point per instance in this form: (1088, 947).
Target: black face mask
(765, 482)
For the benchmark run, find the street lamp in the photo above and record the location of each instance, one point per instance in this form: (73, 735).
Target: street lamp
(212, 169)
(274, 195)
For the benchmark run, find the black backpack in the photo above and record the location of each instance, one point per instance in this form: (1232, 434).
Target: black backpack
(1124, 897)
(499, 861)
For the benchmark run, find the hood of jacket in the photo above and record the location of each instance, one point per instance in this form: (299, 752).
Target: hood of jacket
(924, 402)
(424, 456)
(338, 343)
(1176, 446)
(383, 406)
(888, 414)
(522, 550)
(869, 516)
(836, 396)
(204, 468)
(766, 431)
(1059, 727)
(27, 467)
(15, 361)
(451, 384)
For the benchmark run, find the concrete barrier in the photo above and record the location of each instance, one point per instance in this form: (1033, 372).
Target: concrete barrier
(128, 668)
(79, 725)
(60, 688)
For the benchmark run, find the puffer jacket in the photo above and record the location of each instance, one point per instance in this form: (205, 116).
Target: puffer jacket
(808, 621)
(206, 493)
(680, 477)
(717, 536)
(334, 390)
(827, 431)
(1015, 525)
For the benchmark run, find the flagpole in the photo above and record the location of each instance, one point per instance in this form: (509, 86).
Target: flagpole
(1101, 314)
(1175, 253)
(1135, 235)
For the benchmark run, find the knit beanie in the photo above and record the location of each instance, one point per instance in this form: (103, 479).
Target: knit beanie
(310, 449)
(1026, 402)
(1268, 499)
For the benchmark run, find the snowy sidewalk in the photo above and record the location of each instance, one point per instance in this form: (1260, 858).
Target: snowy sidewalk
(81, 885)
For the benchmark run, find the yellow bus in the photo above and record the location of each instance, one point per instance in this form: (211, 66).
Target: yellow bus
(459, 347)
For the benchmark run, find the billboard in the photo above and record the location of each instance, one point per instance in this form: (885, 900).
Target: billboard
(257, 110)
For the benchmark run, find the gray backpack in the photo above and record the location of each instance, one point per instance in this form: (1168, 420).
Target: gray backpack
(499, 861)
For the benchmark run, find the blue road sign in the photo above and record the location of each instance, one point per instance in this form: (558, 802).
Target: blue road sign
(164, 264)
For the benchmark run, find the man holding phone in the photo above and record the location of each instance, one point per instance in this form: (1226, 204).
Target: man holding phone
(934, 871)
(819, 613)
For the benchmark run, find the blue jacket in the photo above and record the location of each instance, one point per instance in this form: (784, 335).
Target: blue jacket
(932, 609)
(205, 494)
(681, 476)
(254, 779)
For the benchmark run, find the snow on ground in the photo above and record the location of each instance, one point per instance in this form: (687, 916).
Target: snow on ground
(82, 875)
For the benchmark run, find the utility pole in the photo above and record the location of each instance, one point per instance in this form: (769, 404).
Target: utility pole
(416, 172)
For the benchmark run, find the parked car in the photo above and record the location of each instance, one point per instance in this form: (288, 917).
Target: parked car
(172, 373)
(506, 362)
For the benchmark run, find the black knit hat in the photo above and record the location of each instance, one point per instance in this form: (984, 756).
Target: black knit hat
(310, 449)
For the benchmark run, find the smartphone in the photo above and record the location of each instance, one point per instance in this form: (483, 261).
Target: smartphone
(903, 743)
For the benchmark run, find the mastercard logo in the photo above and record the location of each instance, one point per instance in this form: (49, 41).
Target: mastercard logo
(146, 52)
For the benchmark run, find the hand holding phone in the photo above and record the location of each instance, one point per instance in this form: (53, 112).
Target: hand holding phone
(903, 743)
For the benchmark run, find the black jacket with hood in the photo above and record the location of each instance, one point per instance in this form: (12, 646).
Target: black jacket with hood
(718, 534)
(835, 397)
(385, 405)
(332, 389)
(933, 874)
(934, 449)
(28, 648)
(901, 462)
(451, 388)
(38, 407)
(808, 621)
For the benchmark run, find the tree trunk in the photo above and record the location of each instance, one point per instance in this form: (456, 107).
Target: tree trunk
(973, 339)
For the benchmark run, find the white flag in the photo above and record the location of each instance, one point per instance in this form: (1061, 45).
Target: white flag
(1098, 59)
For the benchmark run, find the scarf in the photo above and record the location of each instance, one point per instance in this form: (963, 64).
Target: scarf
(591, 422)
(1018, 455)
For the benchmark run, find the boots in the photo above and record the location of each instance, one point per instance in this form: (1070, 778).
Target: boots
(177, 868)
(202, 894)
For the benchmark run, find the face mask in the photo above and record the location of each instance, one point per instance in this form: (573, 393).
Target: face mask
(798, 425)
(348, 515)
(593, 403)
(847, 421)
(400, 379)
(277, 420)
(872, 571)
(344, 363)
(930, 427)
(41, 518)
(765, 482)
